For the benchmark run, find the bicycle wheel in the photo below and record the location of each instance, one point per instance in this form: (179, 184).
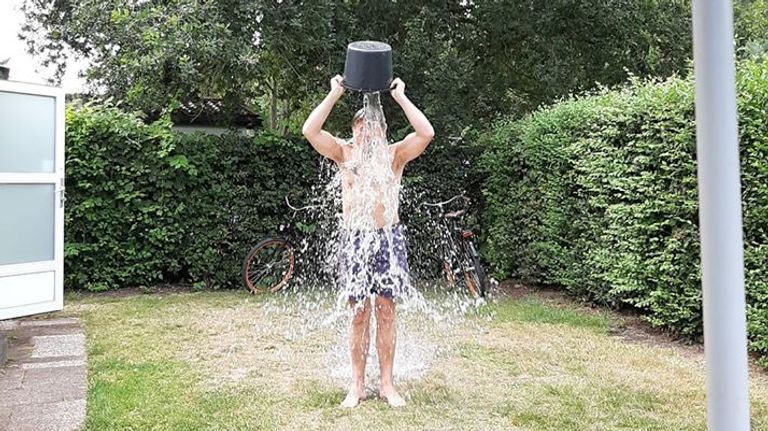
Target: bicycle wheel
(474, 274)
(268, 266)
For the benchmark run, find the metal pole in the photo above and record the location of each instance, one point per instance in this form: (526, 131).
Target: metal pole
(722, 257)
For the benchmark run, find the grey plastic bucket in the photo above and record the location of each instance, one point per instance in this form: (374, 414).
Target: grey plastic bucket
(368, 67)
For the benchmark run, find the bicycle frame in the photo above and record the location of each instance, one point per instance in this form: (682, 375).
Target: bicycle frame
(454, 239)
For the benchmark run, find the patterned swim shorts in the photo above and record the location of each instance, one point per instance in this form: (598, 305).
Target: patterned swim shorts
(369, 265)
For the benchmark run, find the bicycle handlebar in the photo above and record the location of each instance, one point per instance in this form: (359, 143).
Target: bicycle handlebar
(440, 204)
(300, 208)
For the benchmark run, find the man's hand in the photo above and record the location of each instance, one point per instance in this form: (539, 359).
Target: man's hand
(336, 88)
(397, 89)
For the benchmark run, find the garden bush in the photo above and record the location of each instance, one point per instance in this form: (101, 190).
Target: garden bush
(597, 194)
(146, 205)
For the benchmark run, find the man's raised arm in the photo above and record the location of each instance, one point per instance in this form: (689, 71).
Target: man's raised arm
(416, 142)
(322, 141)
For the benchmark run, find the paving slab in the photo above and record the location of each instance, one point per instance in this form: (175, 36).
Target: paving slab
(60, 416)
(47, 346)
(7, 325)
(11, 377)
(43, 384)
(5, 417)
(18, 352)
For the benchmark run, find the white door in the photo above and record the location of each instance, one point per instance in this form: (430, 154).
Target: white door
(31, 199)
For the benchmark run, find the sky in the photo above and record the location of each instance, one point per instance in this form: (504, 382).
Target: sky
(25, 67)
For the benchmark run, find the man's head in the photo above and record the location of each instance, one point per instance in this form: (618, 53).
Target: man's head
(365, 131)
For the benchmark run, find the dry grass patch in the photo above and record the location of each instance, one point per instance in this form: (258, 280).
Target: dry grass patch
(228, 360)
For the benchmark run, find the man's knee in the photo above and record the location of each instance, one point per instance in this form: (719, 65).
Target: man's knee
(385, 310)
(361, 312)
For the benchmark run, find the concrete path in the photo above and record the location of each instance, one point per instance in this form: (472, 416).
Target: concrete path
(43, 384)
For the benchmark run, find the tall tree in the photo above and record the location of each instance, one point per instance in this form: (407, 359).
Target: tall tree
(148, 53)
(465, 62)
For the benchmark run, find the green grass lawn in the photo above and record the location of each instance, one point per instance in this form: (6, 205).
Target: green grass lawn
(231, 361)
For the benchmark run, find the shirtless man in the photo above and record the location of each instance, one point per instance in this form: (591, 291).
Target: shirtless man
(389, 261)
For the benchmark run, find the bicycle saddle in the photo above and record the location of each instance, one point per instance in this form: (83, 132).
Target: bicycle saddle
(454, 214)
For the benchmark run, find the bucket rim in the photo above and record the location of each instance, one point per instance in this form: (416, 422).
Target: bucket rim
(369, 46)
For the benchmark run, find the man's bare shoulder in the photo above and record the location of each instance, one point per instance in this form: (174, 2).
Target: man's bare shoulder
(346, 148)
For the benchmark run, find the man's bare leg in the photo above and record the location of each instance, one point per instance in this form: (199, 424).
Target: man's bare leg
(359, 338)
(385, 347)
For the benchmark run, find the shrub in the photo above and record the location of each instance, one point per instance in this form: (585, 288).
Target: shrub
(146, 205)
(598, 195)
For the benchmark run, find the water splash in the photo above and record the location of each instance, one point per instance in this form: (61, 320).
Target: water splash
(363, 196)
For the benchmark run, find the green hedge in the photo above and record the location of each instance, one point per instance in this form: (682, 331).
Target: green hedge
(598, 195)
(146, 205)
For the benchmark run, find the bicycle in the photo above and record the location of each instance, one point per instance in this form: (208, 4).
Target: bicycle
(270, 264)
(459, 253)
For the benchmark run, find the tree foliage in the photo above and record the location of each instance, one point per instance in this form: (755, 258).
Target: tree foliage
(751, 27)
(149, 53)
(466, 63)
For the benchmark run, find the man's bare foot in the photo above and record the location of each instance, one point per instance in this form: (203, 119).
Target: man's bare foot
(354, 396)
(393, 398)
